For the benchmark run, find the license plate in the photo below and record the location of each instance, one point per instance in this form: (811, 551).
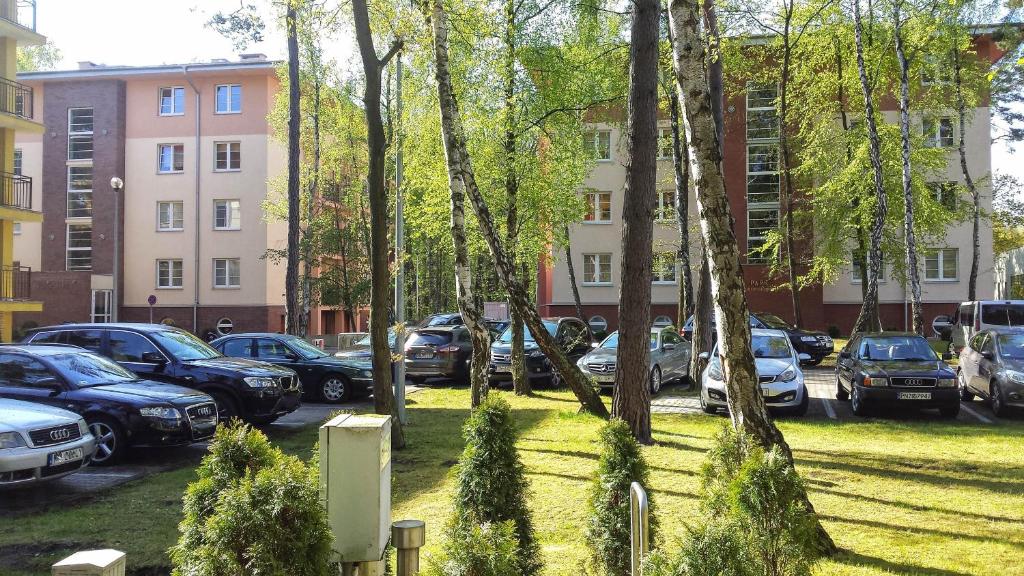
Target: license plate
(605, 378)
(766, 392)
(500, 370)
(424, 355)
(914, 396)
(65, 456)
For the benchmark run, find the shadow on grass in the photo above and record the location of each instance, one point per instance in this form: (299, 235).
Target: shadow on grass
(909, 506)
(854, 559)
(919, 530)
(595, 457)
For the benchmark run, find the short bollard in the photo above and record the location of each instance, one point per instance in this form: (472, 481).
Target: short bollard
(639, 524)
(408, 536)
(91, 563)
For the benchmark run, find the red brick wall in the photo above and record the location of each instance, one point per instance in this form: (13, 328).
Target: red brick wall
(245, 318)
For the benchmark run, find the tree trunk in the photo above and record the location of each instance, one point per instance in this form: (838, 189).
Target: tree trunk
(455, 141)
(577, 302)
(291, 282)
(746, 406)
(868, 320)
(681, 166)
(632, 396)
(702, 338)
(787, 170)
(862, 250)
(961, 110)
(380, 276)
(314, 198)
(908, 192)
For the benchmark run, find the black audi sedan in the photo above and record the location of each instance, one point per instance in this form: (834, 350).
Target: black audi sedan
(895, 368)
(324, 377)
(253, 391)
(817, 345)
(121, 409)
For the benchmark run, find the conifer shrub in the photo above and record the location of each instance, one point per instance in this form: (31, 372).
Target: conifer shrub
(608, 528)
(252, 510)
(484, 550)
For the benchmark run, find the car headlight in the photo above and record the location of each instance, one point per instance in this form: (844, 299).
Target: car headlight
(788, 376)
(11, 440)
(260, 382)
(162, 412)
(367, 373)
(1015, 376)
(715, 372)
(809, 338)
(535, 353)
(876, 382)
(946, 382)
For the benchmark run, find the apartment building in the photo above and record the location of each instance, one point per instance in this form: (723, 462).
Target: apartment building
(753, 183)
(18, 204)
(185, 239)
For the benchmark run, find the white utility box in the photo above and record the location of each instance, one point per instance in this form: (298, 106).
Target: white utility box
(355, 484)
(91, 563)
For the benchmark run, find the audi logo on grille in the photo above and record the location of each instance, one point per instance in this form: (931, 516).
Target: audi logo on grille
(915, 382)
(205, 411)
(60, 434)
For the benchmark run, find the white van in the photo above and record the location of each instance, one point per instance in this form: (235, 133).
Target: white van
(972, 317)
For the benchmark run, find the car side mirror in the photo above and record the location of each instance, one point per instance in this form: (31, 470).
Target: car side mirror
(844, 355)
(704, 356)
(594, 345)
(803, 357)
(153, 358)
(669, 347)
(947, 356)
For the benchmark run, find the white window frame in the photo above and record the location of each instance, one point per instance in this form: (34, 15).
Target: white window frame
(751, 173)
(68, 249)
(174, 154)
(750, 248)
(228, 155)
(233, 214)
(593, 198)
(752, 86)
(85, 192)
(228, 100)
(599, 269)
(107, 297)
(227, 273)
(16, 229)
(172, 264)
(855, 276)
(665, 143)
(81, 134)
(665, 212)
(657, 277)
(592, 141)
(19, 161)
(175, 90)
(933, 137)
(937, 189)
(941, 255)
(177, 208)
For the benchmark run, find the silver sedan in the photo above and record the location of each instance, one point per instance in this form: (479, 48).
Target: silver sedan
(669, 359)
(40, 443)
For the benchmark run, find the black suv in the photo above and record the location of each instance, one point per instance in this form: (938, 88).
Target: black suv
(573, 337)
(817, 345)
(254, 391)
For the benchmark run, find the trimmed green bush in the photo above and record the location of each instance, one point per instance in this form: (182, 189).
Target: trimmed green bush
(252, 510)
(608, 528)
(484, 550)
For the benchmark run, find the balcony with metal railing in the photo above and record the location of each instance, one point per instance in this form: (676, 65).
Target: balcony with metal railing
(15, 283)
(15, 99)
(15, 191)
(19, 12)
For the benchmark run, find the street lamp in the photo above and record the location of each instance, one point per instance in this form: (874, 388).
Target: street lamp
(117, 185)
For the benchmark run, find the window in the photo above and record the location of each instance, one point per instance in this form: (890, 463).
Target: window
(945, 193)
(763, 173)
(168, 273)
(101, 305)
(172, 101)
(665, 209)
(171, 158)
(762, 119)
(938, 132)
(17, 161)
(664, 268)
(597, 268)
(17, 370)
(229, 99)
(240, 347)
(599, 207)
(226, 273)
(226, 215)
(599, 142)
(941, 264)
(79, 191)
(668, 336)
(267, 349)
(170, 216)
(80, 133)
(228, 156)
(79, 251)
(665, 143)
(91, 340)
(857, 258)
(760, 223)
(130, 347)
(17, 229)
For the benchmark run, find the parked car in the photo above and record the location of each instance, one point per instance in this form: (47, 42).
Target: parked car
(669, 359)
(40, 443)
(778, 374)
(817, 345)
(571, 334)
(361, 349)
(438, 351)
(497, 327)
(324, 377)
(897, 368)
(446, 319)
(969, 318)
(992, 366)
(121, 409)
(254, 391)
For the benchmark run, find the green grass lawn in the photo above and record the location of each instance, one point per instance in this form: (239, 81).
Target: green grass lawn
(932, 498)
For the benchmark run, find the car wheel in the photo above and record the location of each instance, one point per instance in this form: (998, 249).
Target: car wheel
(965, 394)
(707, 408)
(950, 411)
(996, 400)
(227, 408)
(109, 440)
(655, 380)
(555, 380)
(841, 394)
(801, 409)
(858, 403)
(335, 388)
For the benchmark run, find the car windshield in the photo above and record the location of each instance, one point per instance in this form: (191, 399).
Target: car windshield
(506, 336)
(443, 320)
(770, 346)
(897, 348)
(305, 349)
(1002, 314)
(84, 369)
(184, 346)
(612, 341)
(365, 340)
(773, 321)
(1011, 346)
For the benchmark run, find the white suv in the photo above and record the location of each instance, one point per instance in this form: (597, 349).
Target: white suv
(973, 317)
(39, 443)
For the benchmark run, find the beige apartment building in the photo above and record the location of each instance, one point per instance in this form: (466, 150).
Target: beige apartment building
(753, 183)
(185, 239)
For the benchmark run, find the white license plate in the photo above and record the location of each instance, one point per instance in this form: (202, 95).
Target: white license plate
(914, 396)
(608, 378)
(65, 456)
(424, 355)
(500, 370)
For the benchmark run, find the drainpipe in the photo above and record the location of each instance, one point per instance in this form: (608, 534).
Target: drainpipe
(195, 266)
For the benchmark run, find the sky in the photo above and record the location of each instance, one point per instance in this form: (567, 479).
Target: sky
(140, 32)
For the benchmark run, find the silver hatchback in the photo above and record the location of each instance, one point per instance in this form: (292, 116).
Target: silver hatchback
(39, 443)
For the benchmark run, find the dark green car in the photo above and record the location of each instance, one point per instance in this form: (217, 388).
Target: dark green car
(324, 377)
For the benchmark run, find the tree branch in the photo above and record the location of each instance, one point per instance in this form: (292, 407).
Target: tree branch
(396, 47)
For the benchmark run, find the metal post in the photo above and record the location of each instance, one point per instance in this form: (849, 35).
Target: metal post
(117, 184)
(399, 247)
(408, 536)
(638, 526)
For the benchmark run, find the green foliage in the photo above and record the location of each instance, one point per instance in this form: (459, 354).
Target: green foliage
(484, 550)
(36, 58)
(608, 528)
(492, 484)
(252, 510)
